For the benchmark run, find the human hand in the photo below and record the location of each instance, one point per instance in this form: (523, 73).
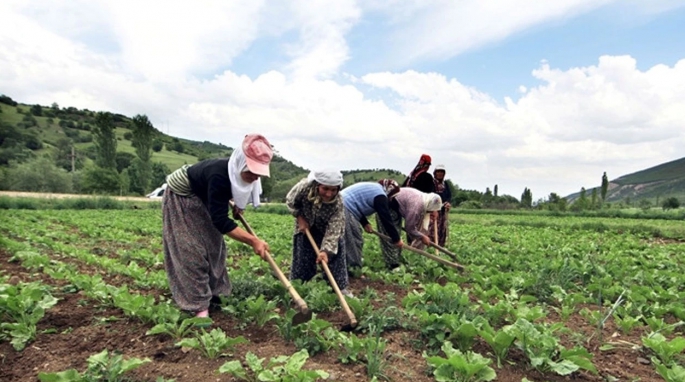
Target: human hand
(399, 244)
(425, 240)
(447, 206)
(236, 212)
(368, 228)
(322, 257)
(261, 248)
(302, 224)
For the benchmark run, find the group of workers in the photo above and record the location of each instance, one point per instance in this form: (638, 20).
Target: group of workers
(201, 197)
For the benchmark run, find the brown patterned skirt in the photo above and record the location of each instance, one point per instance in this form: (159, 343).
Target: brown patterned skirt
(194, 253)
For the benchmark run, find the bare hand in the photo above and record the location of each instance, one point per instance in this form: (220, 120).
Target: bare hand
(447, 206)
(368, 228)
(399, 244)
(302, 224)
(261, 248)
(236, 212)
(322, 257)
(425, 240)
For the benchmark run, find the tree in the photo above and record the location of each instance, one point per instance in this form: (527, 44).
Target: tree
(36, 110)
(157, 145)
(143, 134)
(605, 187)
(124, 161)
(671, 203)
(105, 141)
(593, 199)
(159, 173)
(38, 175)
(495, 192)
(526, 198)
(100, 180)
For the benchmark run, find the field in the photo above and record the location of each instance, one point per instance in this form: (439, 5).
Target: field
(542, 299)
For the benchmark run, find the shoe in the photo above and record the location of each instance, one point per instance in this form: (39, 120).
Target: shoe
(346, 292)
(202, 313)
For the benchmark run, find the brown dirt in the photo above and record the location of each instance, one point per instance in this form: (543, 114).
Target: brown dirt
(80, 329)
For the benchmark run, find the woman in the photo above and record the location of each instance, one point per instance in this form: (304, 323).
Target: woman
(416, 208)
(361, 200)
(195, 218)
(316, 204)
(419, 177)
(442, 189)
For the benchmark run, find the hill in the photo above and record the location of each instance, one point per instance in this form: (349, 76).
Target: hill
(653, 184)
(32, 131)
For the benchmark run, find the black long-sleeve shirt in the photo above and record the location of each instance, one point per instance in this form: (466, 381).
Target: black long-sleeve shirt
(210, 182)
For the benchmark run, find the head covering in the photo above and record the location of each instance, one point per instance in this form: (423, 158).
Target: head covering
(390, 187)
(242, 191)
(258, 154)
(423, 166)
(440, 167)
(327, 177)
(431, 202)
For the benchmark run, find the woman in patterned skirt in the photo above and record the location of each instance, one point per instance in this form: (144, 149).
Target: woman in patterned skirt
(195, 218)
(316, 204)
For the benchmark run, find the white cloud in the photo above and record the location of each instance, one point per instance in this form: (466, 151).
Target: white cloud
(557, 137)
(441, 29)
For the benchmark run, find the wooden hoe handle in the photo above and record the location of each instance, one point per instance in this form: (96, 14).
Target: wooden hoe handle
(302, 306)
(423, 253)
(343, 302)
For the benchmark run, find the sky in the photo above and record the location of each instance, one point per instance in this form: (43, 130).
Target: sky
(545, 95)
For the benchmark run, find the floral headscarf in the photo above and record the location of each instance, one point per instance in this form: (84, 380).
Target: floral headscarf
(423, 166)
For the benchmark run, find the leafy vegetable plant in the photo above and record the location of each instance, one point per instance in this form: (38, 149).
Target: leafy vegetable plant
(281, 368)
(212, 344)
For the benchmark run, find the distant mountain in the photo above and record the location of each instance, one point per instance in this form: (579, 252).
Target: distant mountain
(655, 184)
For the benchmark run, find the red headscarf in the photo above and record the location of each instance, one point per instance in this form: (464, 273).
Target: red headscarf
(423, 166)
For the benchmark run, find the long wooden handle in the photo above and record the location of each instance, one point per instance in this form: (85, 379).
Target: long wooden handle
(343, 302)
(439, 248)
(435, 234)
(423, 253)
(302, 306)
(444, 250)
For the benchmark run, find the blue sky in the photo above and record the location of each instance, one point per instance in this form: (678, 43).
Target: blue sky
(518, 93)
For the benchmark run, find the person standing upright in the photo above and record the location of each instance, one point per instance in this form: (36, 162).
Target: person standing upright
(420, 178)
(442, 189)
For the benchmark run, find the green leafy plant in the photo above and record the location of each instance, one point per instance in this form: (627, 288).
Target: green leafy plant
(281, 368)
(315, 336)
(180, 328)
(460, 367)
(212, 344)
(21, 307)
(664, 349)
(255, 310)
(544, 351)
(101, 367)
(627, 323)
(500, 341)
(674, 373)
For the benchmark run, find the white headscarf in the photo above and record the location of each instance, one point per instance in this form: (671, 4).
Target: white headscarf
(431, 202)
(241, 190)
(327, 177)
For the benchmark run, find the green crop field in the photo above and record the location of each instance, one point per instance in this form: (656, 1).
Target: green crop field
(542, 298)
